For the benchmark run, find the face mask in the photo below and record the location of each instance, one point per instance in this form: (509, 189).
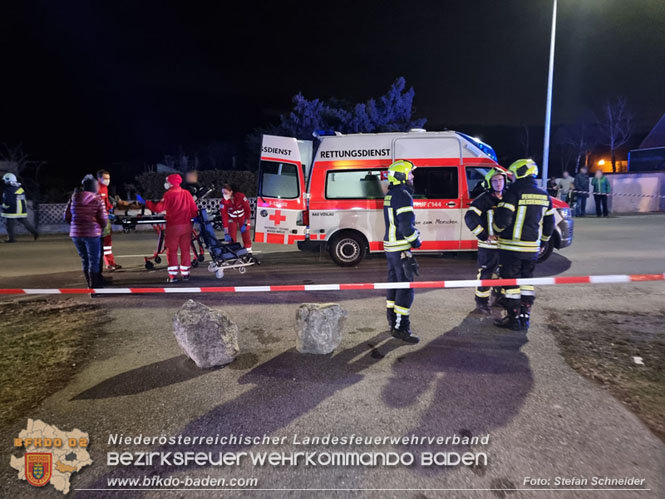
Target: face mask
(105, 181)
(167, 186)
(227, 196)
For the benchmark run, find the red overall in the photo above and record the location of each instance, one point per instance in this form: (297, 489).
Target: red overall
(107, 243)
(236, 213)
(180, 209)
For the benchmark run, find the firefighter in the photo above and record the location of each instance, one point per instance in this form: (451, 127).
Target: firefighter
(14, 207)
(479, 220)
(401, 235)
(523, 220)
(180, 208)
(104, 179)
(236, 215)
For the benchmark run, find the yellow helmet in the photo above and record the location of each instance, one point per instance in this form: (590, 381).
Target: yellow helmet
(487, 183)
(523, 168)
(398, 172)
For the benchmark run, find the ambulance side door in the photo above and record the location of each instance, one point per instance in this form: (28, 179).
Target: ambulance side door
(437, 187)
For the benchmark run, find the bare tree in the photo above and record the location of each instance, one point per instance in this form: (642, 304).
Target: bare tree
(615, 126)
(581, 139)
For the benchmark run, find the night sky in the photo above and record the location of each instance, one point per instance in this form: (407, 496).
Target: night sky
(86, 84)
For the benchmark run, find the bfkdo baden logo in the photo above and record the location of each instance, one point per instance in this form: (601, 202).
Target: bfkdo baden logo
(38, 468)
(51, 455)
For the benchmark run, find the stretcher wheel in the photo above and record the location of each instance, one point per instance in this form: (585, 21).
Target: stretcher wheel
(219, 273)
(201, 257)
(195, 263)
(149, 265)
(158, 259)
(242, 270)
(212, 267)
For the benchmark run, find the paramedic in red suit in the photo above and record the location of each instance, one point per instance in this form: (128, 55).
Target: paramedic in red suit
(236, 214)
(180, 208)
(104, 179)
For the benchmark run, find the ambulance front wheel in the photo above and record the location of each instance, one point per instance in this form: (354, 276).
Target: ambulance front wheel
(348, 249)
(546, 250)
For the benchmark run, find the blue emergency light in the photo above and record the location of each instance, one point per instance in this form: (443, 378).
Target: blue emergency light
(486, 148)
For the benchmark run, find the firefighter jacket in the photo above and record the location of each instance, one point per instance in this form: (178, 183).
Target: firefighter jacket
(13, 202)
(235, 210)
(179, 206)
(479, 219)
(524, 217)
(399, 217)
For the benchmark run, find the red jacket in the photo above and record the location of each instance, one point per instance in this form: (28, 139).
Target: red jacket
(236, 210)
(179, 206)
(104, 194)
(86, 213)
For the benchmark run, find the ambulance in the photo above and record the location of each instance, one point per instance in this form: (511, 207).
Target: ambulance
(331, 196)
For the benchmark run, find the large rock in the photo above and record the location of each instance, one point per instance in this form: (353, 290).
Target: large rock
(208, 337)
(319, 327)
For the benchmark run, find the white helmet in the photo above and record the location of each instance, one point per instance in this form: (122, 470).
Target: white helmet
(9, 178)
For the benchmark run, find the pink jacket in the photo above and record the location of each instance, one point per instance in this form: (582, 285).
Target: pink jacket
(86, 215)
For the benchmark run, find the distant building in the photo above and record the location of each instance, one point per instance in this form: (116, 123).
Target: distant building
(650, 156)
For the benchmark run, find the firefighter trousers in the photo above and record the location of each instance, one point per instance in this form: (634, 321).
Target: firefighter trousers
(488, 261)
(398, 299)
(515, 265)
(178, 237)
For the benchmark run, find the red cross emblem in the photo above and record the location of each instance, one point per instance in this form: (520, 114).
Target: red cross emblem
(277, 217)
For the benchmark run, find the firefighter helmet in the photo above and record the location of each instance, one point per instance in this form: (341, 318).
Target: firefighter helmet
(9, 178)
(523, 168)
(398, 172)
(487, 183)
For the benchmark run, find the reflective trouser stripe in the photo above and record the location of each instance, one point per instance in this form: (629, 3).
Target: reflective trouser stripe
(108, 250)
(390, 304)
(483, 294)
(513, 293)
(401, 310)
(184, 270)
(173, 271)
(527, 290)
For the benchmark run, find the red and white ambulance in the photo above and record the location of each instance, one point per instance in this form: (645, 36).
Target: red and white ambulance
(333, 195)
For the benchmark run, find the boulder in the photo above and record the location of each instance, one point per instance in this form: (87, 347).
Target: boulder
(319, 327)
(209, 337)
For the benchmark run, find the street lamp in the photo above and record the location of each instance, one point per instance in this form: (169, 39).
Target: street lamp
(548, 110)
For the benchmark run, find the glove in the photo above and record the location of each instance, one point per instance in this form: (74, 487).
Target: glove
(410, 266)
(139, 198)
(227, 238)
(417, 243)
(243, 228)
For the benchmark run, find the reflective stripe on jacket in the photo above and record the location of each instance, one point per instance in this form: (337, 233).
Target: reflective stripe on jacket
(399, 217)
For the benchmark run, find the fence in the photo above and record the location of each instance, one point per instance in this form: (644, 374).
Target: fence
(51, 215)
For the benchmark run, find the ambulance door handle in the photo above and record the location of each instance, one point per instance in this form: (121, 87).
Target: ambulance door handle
(451, 204)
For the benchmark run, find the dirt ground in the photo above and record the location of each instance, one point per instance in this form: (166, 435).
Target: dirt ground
(602, 346)
(44, 344)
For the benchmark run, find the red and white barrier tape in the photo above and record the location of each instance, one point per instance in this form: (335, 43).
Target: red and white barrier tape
(538, 281)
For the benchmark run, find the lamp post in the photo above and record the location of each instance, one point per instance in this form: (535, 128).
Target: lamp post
(548, 110)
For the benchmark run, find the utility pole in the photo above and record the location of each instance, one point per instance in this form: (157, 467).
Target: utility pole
(548, 111)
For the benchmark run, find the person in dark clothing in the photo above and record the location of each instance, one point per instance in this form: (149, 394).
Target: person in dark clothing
(552, 187)
(401, 235)
(192, 184)
(581, 188)
(479, 219)
(14, 207)
(87, 217)
(523, 220)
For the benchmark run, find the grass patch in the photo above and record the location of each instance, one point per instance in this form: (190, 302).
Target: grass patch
(44, 343)
(601, 345)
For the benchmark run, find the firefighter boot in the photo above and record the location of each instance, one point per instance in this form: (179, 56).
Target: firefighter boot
(402, 330)
(525, 316)
(392, 317)
(482, 307)
(510, 320)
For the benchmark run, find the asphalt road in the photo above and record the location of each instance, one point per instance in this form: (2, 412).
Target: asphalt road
(466, 376)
